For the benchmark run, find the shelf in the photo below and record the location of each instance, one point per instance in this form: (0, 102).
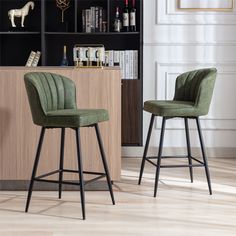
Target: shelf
(95, 33)
(18, 32)
(44, 32)
(124, 33)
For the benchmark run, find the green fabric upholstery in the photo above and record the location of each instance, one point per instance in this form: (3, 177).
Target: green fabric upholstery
(193, 93)
(77, 118)
(52, 101)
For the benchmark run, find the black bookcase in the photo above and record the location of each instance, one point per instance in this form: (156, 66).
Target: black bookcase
(43, 32)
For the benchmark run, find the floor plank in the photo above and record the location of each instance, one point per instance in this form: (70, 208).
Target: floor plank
(181, 208)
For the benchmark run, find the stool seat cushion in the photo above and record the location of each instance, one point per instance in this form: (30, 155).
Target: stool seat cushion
(52, 99)
(193, 93)
(171, 108)
(75, 117)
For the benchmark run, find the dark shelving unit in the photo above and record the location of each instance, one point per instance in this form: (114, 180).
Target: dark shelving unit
(44, 32)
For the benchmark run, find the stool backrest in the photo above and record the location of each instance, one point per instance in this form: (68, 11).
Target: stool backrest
(196, 86)
(49, 92)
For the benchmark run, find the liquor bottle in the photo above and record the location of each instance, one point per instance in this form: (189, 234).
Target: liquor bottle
(117, 21)
(132, 17)
(64, 61)
(126, 17)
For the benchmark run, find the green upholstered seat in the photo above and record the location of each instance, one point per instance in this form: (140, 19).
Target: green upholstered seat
(193, 93)
(52, 101)
(75, 117)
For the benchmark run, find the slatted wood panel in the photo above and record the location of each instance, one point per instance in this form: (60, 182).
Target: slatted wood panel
(131, 110)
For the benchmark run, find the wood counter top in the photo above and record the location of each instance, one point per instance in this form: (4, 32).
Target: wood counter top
(59, 68)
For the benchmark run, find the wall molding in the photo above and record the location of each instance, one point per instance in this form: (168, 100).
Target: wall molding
(162, 78)
(23, 185)
(166, 13)
(197, 43)
(177, 41)
(214, 152)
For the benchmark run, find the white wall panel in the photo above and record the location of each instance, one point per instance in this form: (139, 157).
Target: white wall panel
(171, 30)
(221, 115)
(225, 85)
(177, 41)
(167, 12)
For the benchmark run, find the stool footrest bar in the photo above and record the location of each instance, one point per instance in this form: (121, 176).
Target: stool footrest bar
(167, 157)
(195, 159)
(151, 162)
(181, 166)
(48, 174)
(94, 179)
(56, 181)
(40, 177)
(85, 172)
(69, 182)
(68, 171)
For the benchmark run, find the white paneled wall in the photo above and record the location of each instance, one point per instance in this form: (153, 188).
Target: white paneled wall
(177, 41)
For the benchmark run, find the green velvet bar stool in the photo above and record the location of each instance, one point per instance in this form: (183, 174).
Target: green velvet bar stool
(193, 93)
(52, 100)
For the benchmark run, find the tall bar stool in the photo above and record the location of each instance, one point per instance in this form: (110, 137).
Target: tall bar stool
(193, 93)
(52, 100)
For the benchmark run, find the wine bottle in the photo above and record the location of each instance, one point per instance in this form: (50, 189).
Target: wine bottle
(117, 21)
(64, 61)
(132, 17)
(126, 17)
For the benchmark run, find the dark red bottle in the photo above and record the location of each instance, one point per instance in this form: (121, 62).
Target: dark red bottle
(126, 16)
(132, 17)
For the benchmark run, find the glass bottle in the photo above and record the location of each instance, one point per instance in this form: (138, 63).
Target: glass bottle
(64, 61)
(126, 17)
(132, 17)
(117, 21)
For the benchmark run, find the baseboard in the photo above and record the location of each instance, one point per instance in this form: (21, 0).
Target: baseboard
(22, 185)
(211, 152)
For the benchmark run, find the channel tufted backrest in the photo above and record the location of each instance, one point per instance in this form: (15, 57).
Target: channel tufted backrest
(197, 87)
(49, 92)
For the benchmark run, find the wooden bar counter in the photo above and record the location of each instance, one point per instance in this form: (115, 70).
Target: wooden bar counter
(96, 88)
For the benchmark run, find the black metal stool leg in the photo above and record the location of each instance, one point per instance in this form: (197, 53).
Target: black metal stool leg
(146, 148)
(36, 161)
(61, 161)
(204, 155)
(159, 155)
(188, 148)
(80, 166)
(104, 163)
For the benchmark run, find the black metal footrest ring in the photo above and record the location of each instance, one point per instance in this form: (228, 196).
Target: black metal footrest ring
(181, 166)
(149, 159)
(40, 177)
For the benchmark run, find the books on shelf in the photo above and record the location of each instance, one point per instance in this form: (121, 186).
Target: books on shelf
(36, 59)
(127, 60)
(30, 59)
(110, 58)
(33, 59)
(116, 58)
(94, 20)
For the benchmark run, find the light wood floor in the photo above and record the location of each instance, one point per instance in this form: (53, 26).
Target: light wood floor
(181, 208)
